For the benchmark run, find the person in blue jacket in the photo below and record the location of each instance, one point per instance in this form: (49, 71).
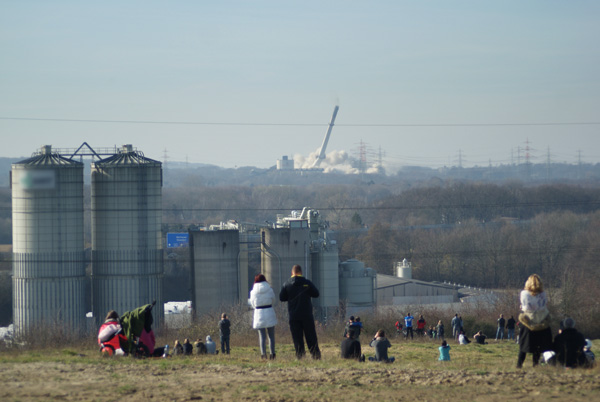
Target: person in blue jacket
(408, 324)
(444, 351)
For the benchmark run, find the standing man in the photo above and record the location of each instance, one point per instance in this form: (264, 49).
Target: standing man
(510, 328)
(224, 332)
(297, 291)
(408, 323)
(500, 331)
(455, 323)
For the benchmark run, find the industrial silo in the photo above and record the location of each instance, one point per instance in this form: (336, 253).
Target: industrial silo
(282, 248)
(325, 276)
(357, 284)
(48, 250)
(127, 263)
(215, 256)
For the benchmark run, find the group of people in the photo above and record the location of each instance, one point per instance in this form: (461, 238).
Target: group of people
(297, 291)
(209, 347)
(569, 348)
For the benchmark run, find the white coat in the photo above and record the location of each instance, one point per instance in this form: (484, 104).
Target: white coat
(262, 295)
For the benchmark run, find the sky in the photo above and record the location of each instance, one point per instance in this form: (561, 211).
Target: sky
(242, 83)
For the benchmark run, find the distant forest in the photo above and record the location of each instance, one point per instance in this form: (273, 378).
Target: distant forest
(484, 233)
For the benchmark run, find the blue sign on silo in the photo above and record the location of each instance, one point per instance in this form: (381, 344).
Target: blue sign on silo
(175, 240)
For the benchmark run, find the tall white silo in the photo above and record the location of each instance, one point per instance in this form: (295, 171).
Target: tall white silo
(48, 243)
(127, 262)
(357, 284)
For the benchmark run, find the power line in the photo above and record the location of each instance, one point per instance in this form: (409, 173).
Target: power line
(585, 123)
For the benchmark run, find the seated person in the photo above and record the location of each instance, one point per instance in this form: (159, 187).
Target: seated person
(110, 335)
(479, 338)
(187, 347)
(177, 348)
(211, 347)
(444, 351)
(147, 344)
(589, 355)
(568, 345)
(200, 347)
(381, 345)
(462, 339)
(351, 347)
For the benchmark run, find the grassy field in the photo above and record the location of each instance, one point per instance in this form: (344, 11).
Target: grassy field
(476, 373)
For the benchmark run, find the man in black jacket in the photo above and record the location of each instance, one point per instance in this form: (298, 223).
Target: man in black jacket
(297, 291)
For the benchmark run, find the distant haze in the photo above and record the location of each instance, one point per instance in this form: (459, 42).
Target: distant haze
(239, 83)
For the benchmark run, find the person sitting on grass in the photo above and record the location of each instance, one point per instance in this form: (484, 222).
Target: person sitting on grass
(177, 348)
(351, 347)
(200, 347)
(211, 347)
(462, 338)
(444, 351)
(381, 345)
(479, 338)
(187, 347)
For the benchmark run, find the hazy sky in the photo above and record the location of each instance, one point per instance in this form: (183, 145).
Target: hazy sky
(438, 77)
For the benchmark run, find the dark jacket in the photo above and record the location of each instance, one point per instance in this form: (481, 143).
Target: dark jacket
(351, 349)
(510, 324)
(568, 346)
(224, 328)
(297, 291)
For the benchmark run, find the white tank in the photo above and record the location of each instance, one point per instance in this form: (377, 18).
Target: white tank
(127, 263)
(357, 284)
(404, 269)
(48, 249)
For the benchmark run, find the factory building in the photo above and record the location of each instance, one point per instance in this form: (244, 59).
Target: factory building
(48, 250)
(301, 238)
(215, 275)
(127, 265)
(285, 163)
(403, 290)
(357, 285)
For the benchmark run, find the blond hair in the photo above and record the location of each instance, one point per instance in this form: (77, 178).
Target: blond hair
(534, 284)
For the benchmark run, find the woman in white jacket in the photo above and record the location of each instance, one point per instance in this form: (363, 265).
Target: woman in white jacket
(261, 299)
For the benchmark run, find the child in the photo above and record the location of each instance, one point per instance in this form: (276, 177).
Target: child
(589, 355)
(444, 351)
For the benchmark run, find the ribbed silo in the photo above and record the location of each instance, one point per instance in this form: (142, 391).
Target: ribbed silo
(127, 264)
(48, 243)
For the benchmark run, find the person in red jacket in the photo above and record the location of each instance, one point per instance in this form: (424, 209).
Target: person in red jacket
(421, 325)
(110, 335)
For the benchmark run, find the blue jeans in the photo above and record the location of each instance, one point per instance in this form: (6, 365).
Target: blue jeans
(500, 333)
(510, 334)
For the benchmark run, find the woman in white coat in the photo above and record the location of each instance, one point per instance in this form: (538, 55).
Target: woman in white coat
(261, 299)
